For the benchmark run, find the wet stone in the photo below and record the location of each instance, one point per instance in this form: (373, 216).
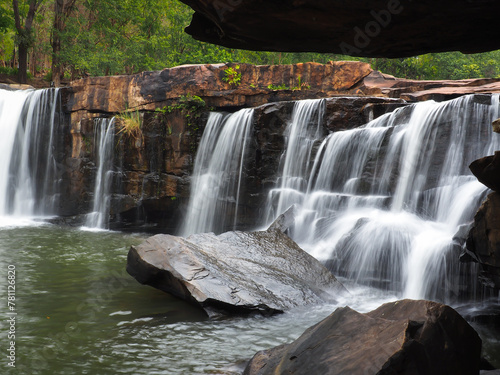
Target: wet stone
(235, 272)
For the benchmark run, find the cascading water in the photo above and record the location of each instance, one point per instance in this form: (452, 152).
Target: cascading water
(384, 202)
(386, 205)
(29, 177)
(104, 141)
(217, 175)
(302, 133)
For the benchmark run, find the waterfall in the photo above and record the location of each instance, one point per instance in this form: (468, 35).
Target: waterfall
(217, 177)
(384, 202)
(302, 133)
(386, 205)
(29, 175)
(103, 143)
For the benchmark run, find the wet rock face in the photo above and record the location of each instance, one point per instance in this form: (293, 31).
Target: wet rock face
(235, 272)
(404, 337)
(487, 171)
(484, 237)
(150, 172)
(380, 28)
(151, 181)
(484, 240)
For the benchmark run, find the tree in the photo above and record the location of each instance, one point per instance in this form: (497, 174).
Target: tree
(62, 10)
(24, 37)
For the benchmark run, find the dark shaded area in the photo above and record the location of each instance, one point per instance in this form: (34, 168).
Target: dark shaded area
(377, 28)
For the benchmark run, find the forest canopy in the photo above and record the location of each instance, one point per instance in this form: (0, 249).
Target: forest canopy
(69, 39)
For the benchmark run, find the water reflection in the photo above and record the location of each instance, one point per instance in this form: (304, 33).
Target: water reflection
(79, 312)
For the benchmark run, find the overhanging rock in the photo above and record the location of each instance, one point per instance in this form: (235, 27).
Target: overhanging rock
(376, 28)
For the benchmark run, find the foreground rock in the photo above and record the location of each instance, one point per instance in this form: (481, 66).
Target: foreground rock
(377, 28)
(484, 240)
(405, 337)
(235, 272)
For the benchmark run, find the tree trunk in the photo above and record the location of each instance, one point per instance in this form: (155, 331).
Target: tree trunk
(62, 10)
(22, 74)
(56, 41)
(24, 33)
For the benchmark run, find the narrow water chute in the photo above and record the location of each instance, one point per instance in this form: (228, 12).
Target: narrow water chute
(104, 133)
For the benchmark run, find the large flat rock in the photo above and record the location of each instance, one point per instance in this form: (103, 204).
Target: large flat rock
(404, 337)
(376, 28)
(235, 272)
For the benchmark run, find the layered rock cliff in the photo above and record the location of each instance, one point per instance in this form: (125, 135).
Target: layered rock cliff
(152, 169)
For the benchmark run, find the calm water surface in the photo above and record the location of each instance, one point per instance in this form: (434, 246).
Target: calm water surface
(79, 312)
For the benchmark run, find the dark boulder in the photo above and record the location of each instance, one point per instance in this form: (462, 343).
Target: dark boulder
(235, 272)
(404, 337)
(487, 171)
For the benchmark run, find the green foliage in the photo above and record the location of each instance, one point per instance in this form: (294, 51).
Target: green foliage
(192, 107)
(6, 17)
(25, 37)
(232, 76)
(8, 71)
(189, 104)
(299, 86)
(449, 65)
(129, 124)
(109, 37)
(279, 87)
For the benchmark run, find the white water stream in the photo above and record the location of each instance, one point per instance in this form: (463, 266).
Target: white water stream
(384, 202)
(381, 204)
(29, 177)
(216, 181)
(103, 142)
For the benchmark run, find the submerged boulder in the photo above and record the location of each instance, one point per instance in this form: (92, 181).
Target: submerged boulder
(235, 272)
(404, 337)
